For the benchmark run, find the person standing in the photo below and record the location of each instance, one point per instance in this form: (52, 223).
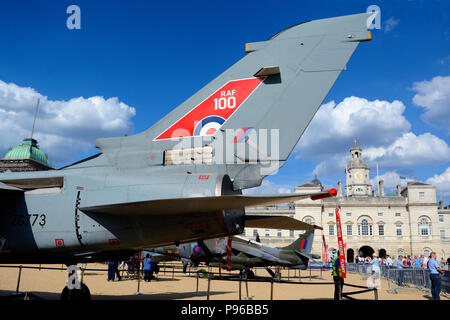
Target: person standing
(416, 262)
(147, 268)
(116, 270)
(389, 262)
(435, 276)
(425, 262)
(185, 264)
(337, 278)
(400, 271)
(376, 273)
(112, 266)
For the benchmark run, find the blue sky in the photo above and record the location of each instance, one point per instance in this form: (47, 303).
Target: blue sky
(151, 56)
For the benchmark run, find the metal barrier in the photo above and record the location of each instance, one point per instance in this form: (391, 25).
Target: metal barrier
(198, 274)
(400, 279)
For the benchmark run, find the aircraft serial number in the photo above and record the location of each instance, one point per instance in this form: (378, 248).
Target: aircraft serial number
(33, 219)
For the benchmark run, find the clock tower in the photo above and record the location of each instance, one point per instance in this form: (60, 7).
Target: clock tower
(357, 175)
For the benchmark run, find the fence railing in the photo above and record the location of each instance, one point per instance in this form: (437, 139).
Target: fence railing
(402, 278)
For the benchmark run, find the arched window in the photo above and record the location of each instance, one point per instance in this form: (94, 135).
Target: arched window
(308, 221)
(364, 227)
(424, 227)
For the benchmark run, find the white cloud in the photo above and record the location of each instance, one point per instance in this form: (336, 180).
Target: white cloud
(390, 24)
(434, 97)
(442, 183)
(64, 129)
(382, 130)
(331, 133)
(334, 126)
(406, 151)
(410, 150)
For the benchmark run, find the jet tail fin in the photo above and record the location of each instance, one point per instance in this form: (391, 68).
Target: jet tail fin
(259, 107)
(304, 243)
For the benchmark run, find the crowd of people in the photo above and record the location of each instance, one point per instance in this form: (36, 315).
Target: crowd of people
(147, 264)
(403, 261)
(399, 266)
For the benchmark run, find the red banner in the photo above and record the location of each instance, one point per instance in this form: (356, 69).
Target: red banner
(325, 250)
(341, 245)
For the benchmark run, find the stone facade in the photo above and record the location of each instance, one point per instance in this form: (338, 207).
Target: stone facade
(408, 223)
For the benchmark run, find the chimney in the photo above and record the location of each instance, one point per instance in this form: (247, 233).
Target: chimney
(441, 204)
(399, 190)
(339, 194)
(381, 187)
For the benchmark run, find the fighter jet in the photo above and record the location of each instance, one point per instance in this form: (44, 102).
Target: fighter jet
(244, 254)
(181, 180)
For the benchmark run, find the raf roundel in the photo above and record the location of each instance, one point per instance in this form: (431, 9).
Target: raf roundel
(196, 250)
(208, 126)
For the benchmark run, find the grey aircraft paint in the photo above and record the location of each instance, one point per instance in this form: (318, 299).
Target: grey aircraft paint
(130, 196)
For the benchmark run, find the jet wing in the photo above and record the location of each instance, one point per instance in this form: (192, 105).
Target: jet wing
(307, 256)
(277, 222)
(202, 204)
(254, 252)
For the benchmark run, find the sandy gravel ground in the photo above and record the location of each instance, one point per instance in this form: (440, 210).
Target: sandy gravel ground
(48, 284)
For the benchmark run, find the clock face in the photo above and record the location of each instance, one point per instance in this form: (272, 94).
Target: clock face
(358, 176)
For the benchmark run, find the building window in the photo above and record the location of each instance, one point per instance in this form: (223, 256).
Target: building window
(401, 252)
(279, 234)
(397, 214)
(255, 232)
(426, 252)
(349, 214)
(398, 230)
(441, 218)
(365, 227)
(267, 233)
(442, 234)
(421, 195)
(381, 230)
(349, 230)
(424, 227)
(291, 233)
(330, 214)
(331, 230)
(380, 214)
(308, 221)
(359, 229)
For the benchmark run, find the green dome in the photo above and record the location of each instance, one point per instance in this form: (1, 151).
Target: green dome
(29, 149)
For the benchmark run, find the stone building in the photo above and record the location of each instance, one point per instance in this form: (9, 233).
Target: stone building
(406, 223)
(25, 157)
